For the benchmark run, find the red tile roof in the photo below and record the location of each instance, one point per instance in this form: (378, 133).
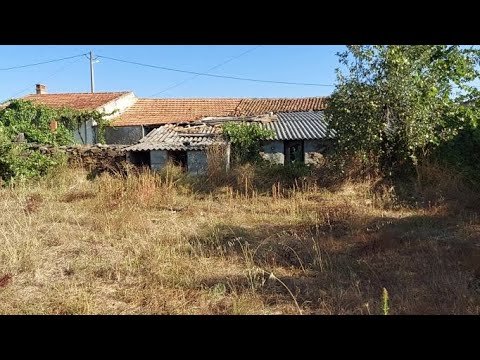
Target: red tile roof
(78, 101)
(251, 107)
(163, 111)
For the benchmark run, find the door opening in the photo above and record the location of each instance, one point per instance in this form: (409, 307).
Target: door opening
(178, 158)
(294, 151)
(140, 158)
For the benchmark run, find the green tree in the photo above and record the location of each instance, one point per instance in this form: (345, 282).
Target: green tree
(398, 102)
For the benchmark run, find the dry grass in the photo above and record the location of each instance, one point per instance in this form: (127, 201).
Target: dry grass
(150, 244)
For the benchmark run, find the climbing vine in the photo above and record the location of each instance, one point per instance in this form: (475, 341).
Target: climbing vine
(34, 121)
(246, 140)
(23, 122)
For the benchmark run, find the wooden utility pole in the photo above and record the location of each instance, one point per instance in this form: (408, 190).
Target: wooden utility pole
(92, 81)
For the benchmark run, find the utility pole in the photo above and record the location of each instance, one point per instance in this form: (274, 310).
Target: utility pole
(92, 82)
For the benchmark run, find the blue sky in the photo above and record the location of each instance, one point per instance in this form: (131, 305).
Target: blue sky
(295, 63)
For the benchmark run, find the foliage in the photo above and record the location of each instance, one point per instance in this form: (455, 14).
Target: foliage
(34, 120)
(462, 154)
(245, 139)
(73, 119)
(17, 161)
(398, 102)
(102, 124)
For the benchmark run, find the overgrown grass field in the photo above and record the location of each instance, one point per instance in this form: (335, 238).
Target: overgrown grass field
(156, 244)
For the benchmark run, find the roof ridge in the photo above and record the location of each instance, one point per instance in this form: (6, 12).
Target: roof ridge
(84, 93)
(237, 98)
(196, 98)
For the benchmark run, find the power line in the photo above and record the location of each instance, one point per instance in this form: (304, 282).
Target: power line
(212, 68)
(210, 75)
(40, 63)
(46, 78)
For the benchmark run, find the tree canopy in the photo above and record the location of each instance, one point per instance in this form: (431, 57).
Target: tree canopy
(398, 102)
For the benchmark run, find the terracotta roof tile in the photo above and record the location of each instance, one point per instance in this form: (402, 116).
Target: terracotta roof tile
(164, 111)
(250, 107)
(78, 101)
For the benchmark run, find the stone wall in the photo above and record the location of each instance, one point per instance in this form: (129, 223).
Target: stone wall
(95, 158)
(273, 151)
(315, 151)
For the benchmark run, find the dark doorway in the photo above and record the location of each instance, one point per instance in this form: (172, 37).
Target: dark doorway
(140, 158)
(294, 151)
(178, 158)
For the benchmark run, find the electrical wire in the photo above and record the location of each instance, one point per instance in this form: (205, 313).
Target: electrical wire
(212, 68)
(43, 80)
(210, 75)
(40, 63)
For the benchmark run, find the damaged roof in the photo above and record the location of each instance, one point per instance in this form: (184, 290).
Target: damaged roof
(306, 125)
(172, 137)
(164, 111)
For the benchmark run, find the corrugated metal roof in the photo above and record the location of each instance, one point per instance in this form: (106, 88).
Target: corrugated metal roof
(171, 137)
(301, 125)
(305, 125)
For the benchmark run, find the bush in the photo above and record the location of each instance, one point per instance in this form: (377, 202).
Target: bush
(461, 153)
(17, 163)
(245, 139)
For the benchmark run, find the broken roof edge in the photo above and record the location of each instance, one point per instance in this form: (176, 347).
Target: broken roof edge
(166, 146)
(208, 120)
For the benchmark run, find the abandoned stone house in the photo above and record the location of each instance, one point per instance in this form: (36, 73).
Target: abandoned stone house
(181, 130)
(185, 145)
(297, 137)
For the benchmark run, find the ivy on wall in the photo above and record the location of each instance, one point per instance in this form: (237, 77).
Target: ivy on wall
(25, 122)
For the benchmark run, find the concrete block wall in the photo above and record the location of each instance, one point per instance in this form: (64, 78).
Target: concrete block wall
(125, 135)
(197, 162)
(158, 159)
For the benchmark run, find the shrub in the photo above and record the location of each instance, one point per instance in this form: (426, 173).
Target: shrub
(462, 154)
(18, 163)
(245, 139)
